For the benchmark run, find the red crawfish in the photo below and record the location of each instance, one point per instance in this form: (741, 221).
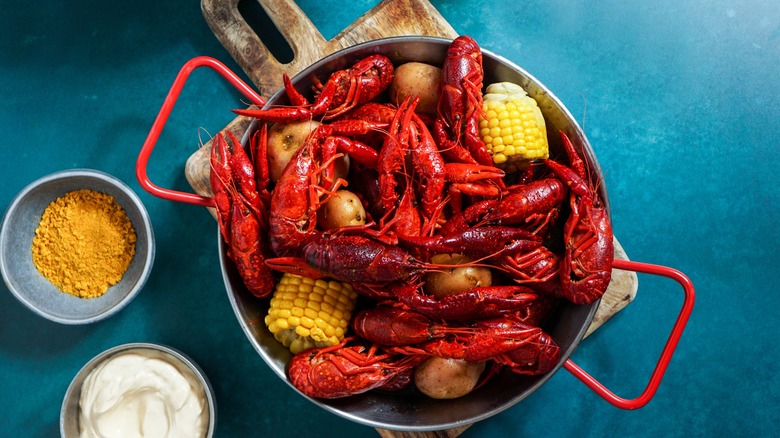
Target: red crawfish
(460, 104)
(344, 90)
(349, 368)
(392, 160)
(477, 302)
(586, 269)
(241, 211)
(354, 259)
(534, 206)
(507, 337)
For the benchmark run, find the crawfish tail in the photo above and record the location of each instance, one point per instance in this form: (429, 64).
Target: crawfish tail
(538, 268)
(390, 326)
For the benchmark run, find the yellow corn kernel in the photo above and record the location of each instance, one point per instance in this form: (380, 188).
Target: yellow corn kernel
(307, 313)
(513, 127)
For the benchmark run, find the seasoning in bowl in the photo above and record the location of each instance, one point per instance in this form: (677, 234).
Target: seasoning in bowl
(84, 243)
(135, 394)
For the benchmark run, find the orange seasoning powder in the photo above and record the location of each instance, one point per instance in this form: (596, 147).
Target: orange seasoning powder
(84, 243)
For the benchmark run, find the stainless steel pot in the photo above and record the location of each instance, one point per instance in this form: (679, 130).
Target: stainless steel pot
(412, 411)
(415, 411)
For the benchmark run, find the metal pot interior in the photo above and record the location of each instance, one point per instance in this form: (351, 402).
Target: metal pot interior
(411, 410)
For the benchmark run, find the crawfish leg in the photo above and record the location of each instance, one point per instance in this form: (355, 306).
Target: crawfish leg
(575, 161)
(278, 115)
(358, 151)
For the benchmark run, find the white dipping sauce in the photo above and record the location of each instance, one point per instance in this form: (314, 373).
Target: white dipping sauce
(133, 395)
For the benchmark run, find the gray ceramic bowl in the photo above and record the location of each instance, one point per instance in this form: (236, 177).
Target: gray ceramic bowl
(69, 414)
(35, 291)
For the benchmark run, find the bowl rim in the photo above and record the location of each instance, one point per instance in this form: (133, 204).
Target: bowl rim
(136, 202)
(74, 387)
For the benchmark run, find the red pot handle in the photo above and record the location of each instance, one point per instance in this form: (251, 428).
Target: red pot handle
(162, 117)
(666, 354)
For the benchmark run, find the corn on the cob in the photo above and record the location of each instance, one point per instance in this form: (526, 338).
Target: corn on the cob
(513, 127)
(307, 313)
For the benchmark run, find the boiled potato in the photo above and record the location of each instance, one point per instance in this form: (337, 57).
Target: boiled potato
(450, 281)
(417, 79)
(283, 140)
(341, 210)
(447, 378)
(286, 138)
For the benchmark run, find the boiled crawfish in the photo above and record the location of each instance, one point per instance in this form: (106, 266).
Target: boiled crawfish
(533, 206)
(354, 259)
(349, 368)
(344, 90)
(408, 332)
(460, 104)
(475, 303)
(586, 269)
(242, 210)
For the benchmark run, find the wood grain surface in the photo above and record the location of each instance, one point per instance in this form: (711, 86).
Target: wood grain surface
(388, 18)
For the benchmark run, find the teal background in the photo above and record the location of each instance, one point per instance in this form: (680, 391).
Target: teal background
(680, 100)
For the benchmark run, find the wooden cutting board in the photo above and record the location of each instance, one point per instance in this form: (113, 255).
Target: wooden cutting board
(388, 18)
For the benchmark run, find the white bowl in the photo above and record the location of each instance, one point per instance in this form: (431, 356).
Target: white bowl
(69, 414)
(33, 289)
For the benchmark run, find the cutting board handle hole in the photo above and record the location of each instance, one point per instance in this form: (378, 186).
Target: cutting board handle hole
(261, 24)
